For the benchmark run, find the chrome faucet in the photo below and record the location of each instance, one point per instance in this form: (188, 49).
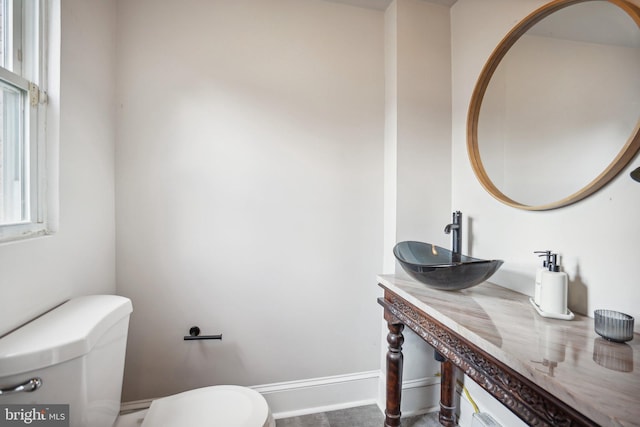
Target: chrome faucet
(456, 238)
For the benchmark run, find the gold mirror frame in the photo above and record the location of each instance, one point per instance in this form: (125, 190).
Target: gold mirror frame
(623, 158)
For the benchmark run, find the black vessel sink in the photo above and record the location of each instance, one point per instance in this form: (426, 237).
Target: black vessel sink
(439, 268)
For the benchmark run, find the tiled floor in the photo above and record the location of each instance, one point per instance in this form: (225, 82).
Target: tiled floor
(363, 416)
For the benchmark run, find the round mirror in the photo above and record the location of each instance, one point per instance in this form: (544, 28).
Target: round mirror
(555, 113)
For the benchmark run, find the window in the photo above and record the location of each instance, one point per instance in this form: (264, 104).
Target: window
(22, 103)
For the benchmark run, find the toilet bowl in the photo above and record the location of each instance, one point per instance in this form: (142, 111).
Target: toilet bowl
(227, 405)
(224, 405)
(74, 355)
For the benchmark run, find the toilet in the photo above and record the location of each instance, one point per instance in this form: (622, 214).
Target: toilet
(74, 354)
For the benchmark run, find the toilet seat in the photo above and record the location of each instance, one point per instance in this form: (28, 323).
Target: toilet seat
(219, 406)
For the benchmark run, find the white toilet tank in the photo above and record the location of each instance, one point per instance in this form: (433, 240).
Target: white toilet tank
(77, 350)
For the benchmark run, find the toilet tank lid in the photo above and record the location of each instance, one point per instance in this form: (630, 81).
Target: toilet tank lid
(64, 333)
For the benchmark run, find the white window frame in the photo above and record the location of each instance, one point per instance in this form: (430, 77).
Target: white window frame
(28, 62)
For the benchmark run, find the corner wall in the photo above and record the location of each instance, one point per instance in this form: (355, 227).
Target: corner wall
(417, 162)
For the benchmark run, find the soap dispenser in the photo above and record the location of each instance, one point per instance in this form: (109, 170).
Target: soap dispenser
(552, 288)
(554, 291)
(545, 263)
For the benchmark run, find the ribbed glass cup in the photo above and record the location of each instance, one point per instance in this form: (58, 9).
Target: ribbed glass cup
(613, 325)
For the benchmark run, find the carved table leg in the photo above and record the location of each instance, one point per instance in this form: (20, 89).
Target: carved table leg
(447, 416)
(394, 374)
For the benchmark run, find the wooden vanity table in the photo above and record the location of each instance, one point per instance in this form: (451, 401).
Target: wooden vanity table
(548, 372)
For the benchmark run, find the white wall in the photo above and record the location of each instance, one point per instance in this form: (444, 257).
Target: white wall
(249, 190)
(79, 259)
(424, 117)
(596, 237)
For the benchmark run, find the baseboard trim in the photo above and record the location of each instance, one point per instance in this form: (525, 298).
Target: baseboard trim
(302, 397)
(135, 405)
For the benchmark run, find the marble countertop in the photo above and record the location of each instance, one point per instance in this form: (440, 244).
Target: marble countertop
(599, 378)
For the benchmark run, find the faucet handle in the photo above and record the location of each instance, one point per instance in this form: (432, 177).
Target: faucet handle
(546, 254)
